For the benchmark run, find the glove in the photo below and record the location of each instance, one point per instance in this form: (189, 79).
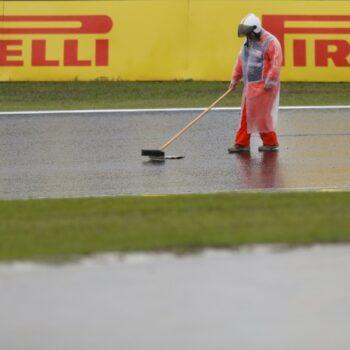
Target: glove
(269, 84)
(233, 85)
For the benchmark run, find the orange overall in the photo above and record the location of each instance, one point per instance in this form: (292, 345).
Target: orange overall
(259, 65)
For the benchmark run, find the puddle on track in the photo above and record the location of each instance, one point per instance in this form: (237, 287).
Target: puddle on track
(100, 154)
(251, 298)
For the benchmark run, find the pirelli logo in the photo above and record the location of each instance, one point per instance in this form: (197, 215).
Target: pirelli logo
(18, 34)
(326, 36)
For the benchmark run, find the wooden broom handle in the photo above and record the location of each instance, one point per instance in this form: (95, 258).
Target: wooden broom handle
(195, 120)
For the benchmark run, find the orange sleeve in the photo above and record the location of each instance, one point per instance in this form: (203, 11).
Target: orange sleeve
(237, 73)
(274, 54)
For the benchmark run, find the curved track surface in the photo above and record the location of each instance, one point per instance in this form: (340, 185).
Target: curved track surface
(98, 154)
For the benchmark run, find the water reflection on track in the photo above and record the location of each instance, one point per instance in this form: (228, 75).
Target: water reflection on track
(98, 154)
(246, 299)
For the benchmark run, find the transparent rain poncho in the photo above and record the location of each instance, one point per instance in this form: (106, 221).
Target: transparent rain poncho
(259, 64)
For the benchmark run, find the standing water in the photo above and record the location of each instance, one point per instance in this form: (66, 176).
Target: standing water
(251, 298)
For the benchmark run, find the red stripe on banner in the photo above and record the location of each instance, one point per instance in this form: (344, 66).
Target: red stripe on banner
(99, 24)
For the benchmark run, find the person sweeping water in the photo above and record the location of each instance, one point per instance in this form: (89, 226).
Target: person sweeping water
(258, 65)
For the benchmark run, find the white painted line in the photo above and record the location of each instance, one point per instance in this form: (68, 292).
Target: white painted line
(276, 190)
(157, 110)
(345, 188)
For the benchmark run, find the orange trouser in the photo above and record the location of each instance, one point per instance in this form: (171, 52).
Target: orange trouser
(243, 138)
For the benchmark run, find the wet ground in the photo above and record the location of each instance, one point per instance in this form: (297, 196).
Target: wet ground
(247, 299)
(98, 154)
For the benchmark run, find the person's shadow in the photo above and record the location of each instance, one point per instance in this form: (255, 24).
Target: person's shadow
(261, 172)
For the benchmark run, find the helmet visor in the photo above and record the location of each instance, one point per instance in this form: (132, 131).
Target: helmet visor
(244, 30)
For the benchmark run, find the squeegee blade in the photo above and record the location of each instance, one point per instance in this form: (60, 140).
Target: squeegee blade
(152, 153)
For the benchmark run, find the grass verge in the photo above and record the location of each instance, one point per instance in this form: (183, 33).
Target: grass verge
(51, 228)
(17, 96)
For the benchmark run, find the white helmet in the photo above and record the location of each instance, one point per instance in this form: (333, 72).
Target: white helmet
(249, 24)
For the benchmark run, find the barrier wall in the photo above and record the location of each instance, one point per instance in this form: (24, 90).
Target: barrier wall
(166, 39)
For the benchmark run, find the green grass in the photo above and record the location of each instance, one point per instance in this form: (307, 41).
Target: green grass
(62, 228)
(16, 96)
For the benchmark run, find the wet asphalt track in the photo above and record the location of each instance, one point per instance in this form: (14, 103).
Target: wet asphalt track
(98, 154)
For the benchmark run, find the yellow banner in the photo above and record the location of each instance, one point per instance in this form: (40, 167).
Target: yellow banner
(315, 36)
(166, 40)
